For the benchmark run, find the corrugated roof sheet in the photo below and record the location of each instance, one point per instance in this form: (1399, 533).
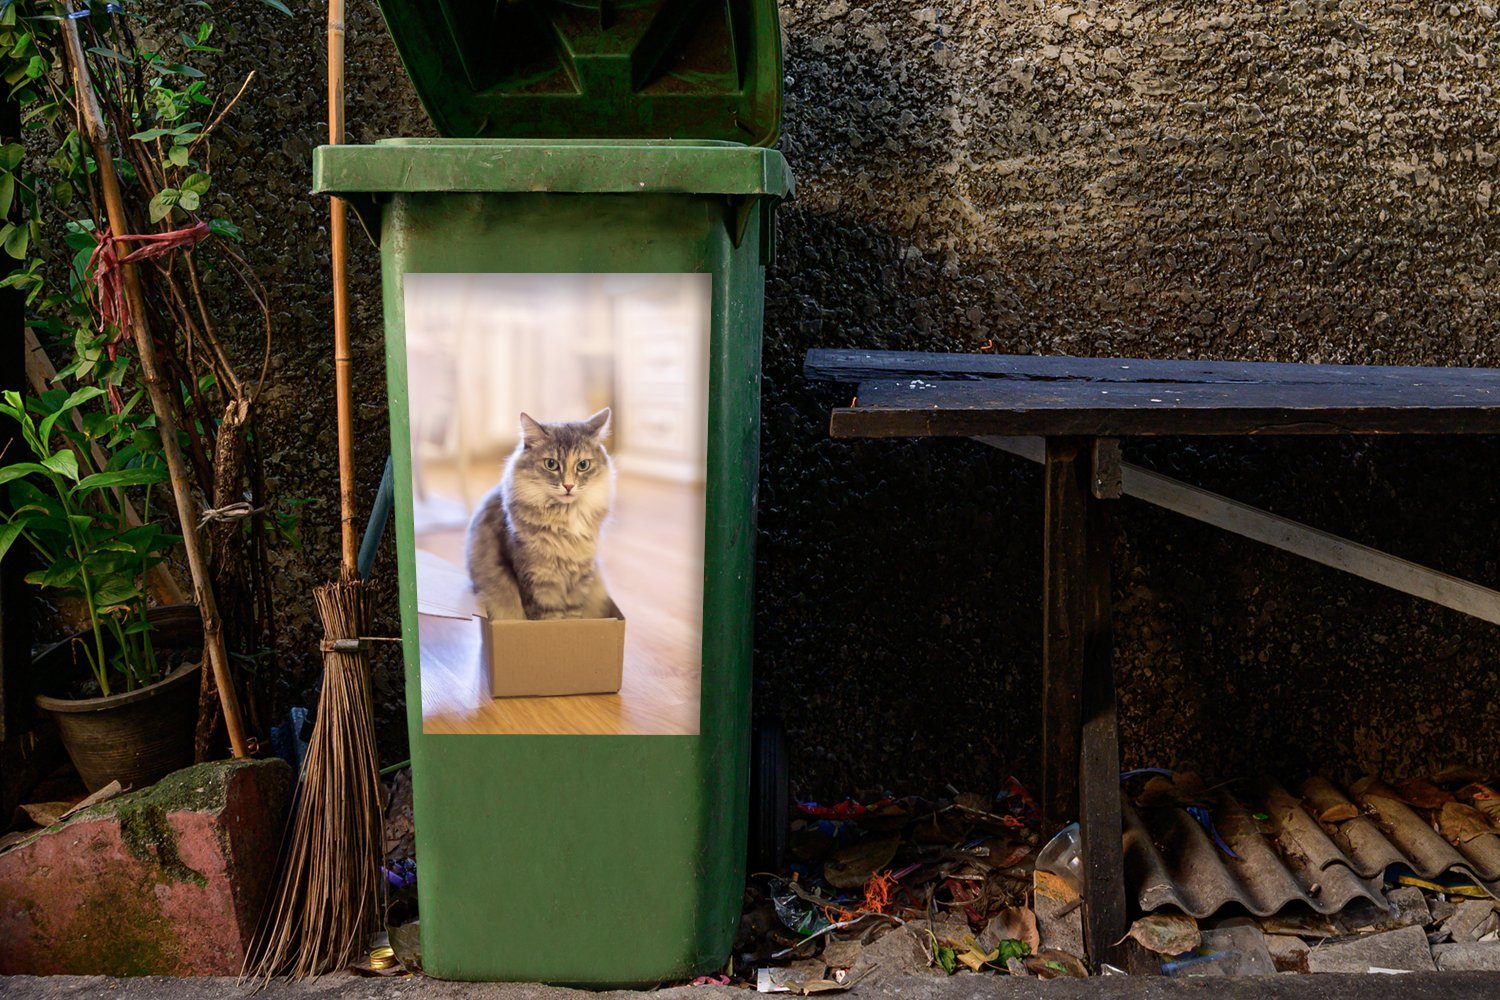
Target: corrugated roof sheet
(1323, 848)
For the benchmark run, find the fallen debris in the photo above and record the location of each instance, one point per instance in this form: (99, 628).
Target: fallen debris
(1288, 953)
(1471, 956)
(1402, 950)
(1166, 933)
(963, 886)
(907, 885)
(1472, 920)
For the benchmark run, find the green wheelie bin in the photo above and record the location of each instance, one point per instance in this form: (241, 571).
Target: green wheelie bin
(573, 286)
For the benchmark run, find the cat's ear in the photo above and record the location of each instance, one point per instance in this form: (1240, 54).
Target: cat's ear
(598, 424)
(533, 431)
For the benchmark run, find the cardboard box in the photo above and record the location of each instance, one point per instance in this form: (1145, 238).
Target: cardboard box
(554, 657)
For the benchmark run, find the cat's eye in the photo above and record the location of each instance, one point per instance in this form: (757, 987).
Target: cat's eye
(550, 465)
(583, 465)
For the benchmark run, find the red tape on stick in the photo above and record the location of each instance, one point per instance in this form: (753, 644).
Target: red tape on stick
(109, 292)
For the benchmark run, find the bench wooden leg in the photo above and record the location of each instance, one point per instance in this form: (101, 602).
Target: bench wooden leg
(1080, 736)
(1100, 826)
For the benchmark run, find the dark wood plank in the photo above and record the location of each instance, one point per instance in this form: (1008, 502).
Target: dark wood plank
(1100, 827)
(1283, 533)
(852, 366)
(931, 408)
(1064, 609)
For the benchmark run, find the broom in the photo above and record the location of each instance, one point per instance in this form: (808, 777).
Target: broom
(327, 901)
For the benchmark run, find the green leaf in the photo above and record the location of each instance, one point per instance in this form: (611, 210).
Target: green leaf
(188, 201)
(17, 240)
(122, 477)
(197, 183)
(9, 532)
(7, 192)
(11, 155)
(1011, 948)
(223, 227)
(277, 5)
(77, 398)
(161, 205)
(177, 156)
(20, 469)
(153, 133)
(63, 463)
(106, 52)
(115, 592)
(59, 574)
(79, 235)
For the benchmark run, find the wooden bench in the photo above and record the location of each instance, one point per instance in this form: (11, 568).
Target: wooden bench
(1069, 414)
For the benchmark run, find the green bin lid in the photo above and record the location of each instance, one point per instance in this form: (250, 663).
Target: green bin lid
(590, 69)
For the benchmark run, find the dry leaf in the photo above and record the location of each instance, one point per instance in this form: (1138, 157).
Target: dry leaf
(851, 867)
(1157, 791)
(45, 813)
(1338, 812)
(1052, 964)
(1166, 933)
(1460, 824)
(1423, 794)
(1371, 787)
(1458, 774)
(104, 794)
(1017, 923)
(1484, 798)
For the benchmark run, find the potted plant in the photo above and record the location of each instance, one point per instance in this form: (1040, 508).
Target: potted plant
(124, 689)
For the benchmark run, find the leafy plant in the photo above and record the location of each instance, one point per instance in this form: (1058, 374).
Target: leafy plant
(75, 517)
(208, 313)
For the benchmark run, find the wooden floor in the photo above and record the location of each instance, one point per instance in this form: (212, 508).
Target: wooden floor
(652, 554)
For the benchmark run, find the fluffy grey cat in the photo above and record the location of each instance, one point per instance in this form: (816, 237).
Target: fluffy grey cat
(533, 542)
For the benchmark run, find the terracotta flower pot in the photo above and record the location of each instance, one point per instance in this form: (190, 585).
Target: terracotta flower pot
(136, 737)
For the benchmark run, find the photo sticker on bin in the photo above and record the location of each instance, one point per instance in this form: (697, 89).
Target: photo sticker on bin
(559, 462)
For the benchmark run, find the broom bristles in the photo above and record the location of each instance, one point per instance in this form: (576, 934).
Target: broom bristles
(327, 896)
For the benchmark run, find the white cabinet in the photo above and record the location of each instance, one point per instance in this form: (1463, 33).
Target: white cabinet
(661, 380)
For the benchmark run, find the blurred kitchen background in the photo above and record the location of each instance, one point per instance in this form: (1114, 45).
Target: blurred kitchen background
(485, 347)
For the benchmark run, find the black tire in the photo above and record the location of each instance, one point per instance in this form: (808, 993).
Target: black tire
(770, 796)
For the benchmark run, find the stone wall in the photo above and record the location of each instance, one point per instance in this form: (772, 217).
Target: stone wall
(1297, 181)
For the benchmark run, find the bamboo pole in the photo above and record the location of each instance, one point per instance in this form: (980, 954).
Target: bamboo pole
(338, 230)
(161, 401)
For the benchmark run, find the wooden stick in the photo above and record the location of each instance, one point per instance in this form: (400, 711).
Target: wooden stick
(339, 253)
(161, 400)
(40, 372)
(1290, 536)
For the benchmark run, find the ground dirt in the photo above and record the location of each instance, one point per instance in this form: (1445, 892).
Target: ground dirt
(1436, 986)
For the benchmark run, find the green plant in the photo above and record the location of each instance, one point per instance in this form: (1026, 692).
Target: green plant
(75, 516)
(207, 312)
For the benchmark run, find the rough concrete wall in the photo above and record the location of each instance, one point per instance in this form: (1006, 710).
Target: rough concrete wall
(1308, 181)
(1305, 181)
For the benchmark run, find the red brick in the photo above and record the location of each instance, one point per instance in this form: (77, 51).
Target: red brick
(169, 880)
